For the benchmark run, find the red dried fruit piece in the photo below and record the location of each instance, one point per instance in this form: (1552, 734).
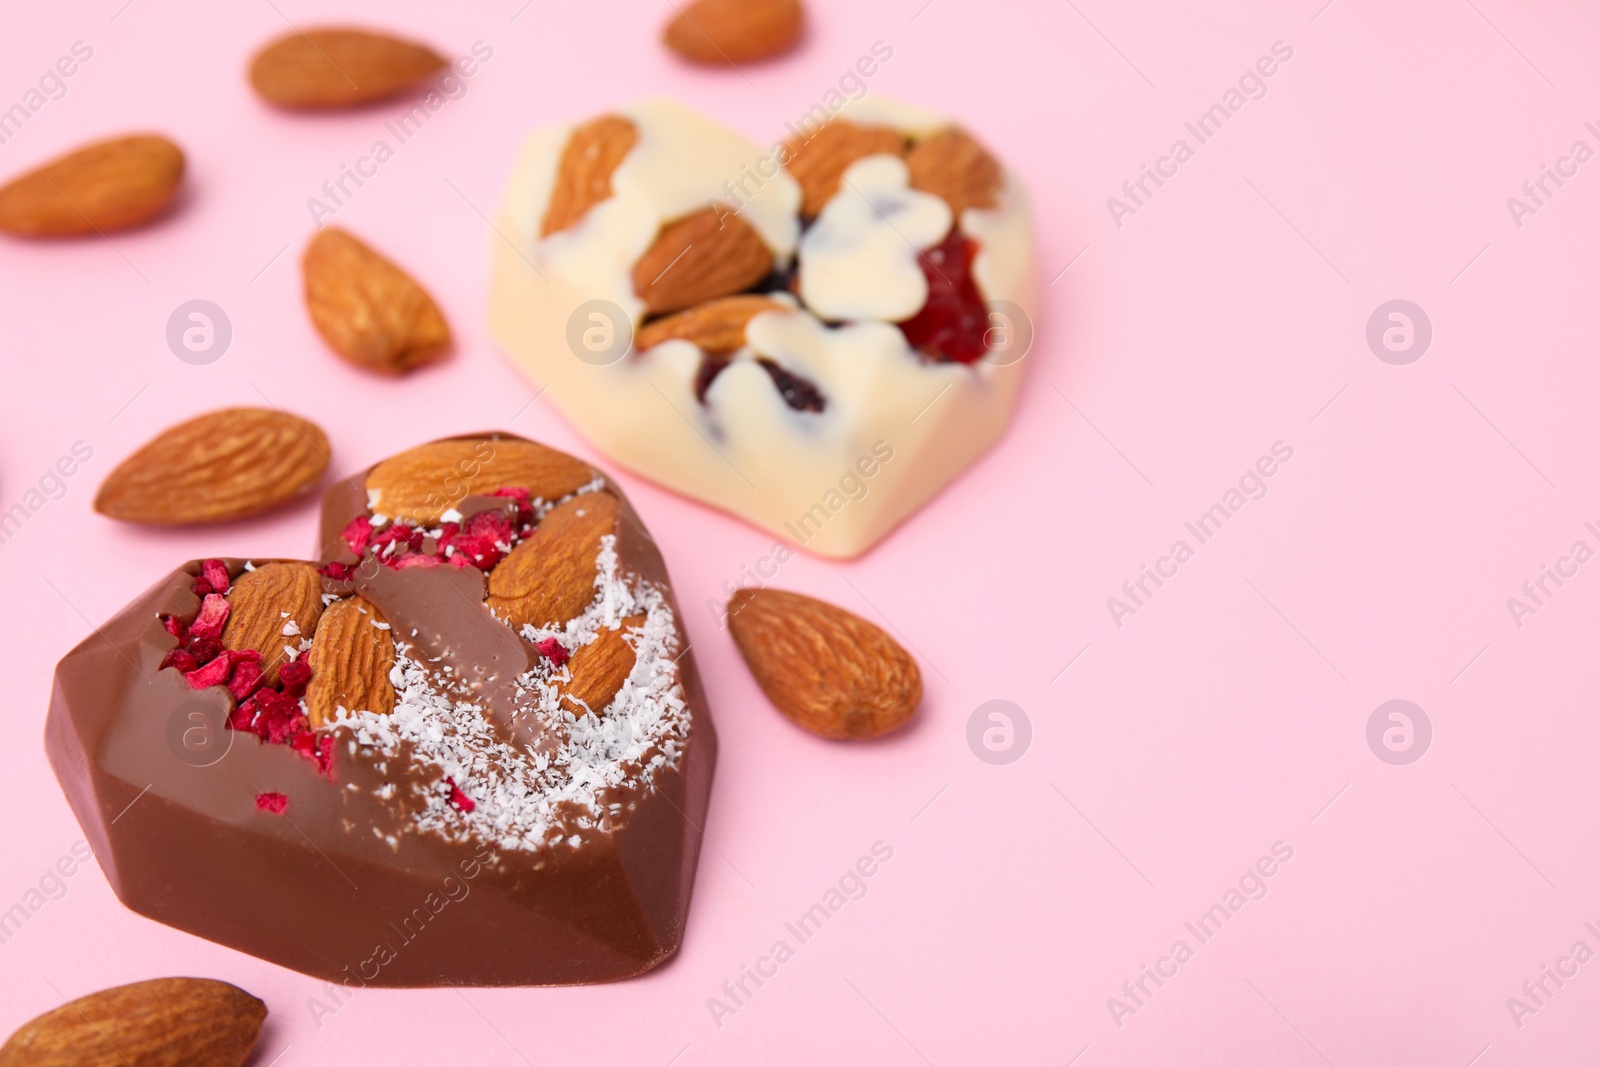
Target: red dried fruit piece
(181, 659)
(318, 750)
(524, 500)
(357, 534)
(413, 559)
(215, 574)
(462, 802)
(554, 651)
(213, 615)
(275, 803)
(202, 588)
(339, 572)
(952, 325)
(294, 676)
(173, 626)
(245, 677)
(203, 649)
(214, 672)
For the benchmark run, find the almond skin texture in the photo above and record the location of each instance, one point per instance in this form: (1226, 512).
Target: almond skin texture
(350, 662)
(583, 177)
(102, 187)
(700, 257)
(728, 32)
(549, 578)
(953, 165)
(369, 310)
(717, 326)
(423, 483)
(166, 1022)
(830, 671)
(818, 163)
(258, 603)
(223, 466)
(335, 67)
(600, 667)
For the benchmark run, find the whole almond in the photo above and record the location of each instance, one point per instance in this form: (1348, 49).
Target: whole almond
(717, 326)
(351, 657)
(700, 257)
(818, 162)
(830, 671)
(549, 578)
(583, 177)
(600, 667)
(337, 67)
(369, 310)
(422, 483)
(166, 1022)
(953, 165)
(274, 606)
(222, 466)
(727, 32)
(102, 187)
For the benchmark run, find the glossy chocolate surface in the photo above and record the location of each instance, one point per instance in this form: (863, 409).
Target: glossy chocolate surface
(343, 884)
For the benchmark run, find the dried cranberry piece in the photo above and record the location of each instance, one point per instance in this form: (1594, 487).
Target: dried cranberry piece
(796, 391)
(554, 651)
(275, 803)
(358, 533)
(215, 574)
(952, 325)
(710, 367)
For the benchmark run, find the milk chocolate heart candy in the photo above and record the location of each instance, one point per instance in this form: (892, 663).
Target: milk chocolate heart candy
(836, 322)
(395, 777)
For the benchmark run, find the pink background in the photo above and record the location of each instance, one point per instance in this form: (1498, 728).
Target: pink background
(1225, 716)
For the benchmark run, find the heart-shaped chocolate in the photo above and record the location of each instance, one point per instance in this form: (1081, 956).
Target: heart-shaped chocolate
(468, 746)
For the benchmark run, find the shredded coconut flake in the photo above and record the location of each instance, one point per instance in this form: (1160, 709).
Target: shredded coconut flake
(531, 798)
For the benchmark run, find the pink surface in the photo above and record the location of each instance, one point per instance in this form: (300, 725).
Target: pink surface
(1229, 713)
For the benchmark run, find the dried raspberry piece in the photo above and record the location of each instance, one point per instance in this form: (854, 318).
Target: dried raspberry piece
(524, 500)
(554, 651)
(215, 574)
(276, 803)
(339, 572)
(269, 715)
(202, 588)
(203, 649)
(462, 802)
(459, 562)
(413, 559)
(213, 673)
(318, 750)
(181, 659)
(213, 616)
(358, 533)
(293, 677)
(174, 626)
(952, 325)
(245, 677)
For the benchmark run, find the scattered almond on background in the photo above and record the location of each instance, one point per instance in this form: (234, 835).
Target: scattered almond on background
(830, 671)
(728, 32)
(332, 67)
(165, 1022)
(369, 310)
(99, 188)
(225, 465)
